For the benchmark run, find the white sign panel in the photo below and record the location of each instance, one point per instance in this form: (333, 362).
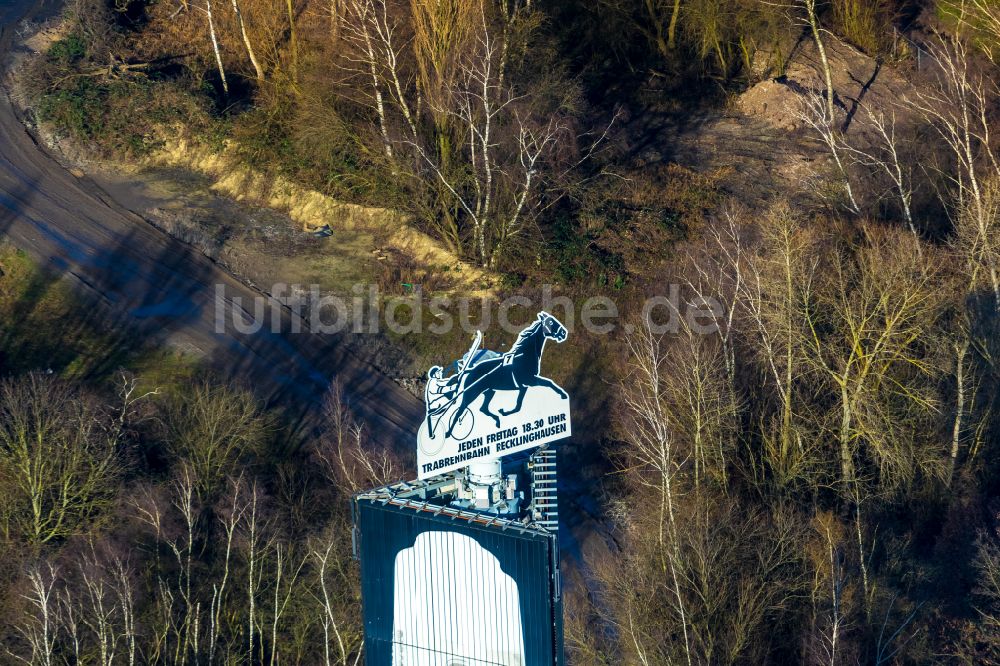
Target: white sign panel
(472, 616)
(493, 405)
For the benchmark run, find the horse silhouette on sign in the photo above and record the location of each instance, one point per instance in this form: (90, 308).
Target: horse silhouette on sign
(517, 370)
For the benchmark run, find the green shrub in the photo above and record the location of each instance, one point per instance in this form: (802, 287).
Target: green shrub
(72, 108)
(119, 115)
(68, 50)
(579, 257)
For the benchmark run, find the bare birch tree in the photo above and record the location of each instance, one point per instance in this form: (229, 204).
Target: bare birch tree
(958, 107)
(215, 46)
(880, 305)
(888, 160)
(337, 588)
(41, 627)
(178, 607)
(367, 26)
(701, 407)
(452, 114)
(829, 588)
(482, 102)
(653, 448)
(818, 116)
(347, 457)
(805, 14)
(773, 276)
(211, 429)
(258, 69)
(816, 29)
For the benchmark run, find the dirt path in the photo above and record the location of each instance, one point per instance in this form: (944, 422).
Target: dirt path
(167, 289)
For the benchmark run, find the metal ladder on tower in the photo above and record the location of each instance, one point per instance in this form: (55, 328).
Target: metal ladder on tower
(544, 481)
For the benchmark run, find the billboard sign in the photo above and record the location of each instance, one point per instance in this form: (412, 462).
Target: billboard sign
(493, 405)
(442, 591)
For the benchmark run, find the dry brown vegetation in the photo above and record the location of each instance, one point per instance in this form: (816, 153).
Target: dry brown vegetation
(814, 482)
(769, 474)
(184, 542)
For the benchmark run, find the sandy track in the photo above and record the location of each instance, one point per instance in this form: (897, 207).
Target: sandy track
(166, 289)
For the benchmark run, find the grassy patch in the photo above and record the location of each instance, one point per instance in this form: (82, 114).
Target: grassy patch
(867, 24)
(311, 146)
(166, 370)
(45, 325)
(42, 327)
(962, 18)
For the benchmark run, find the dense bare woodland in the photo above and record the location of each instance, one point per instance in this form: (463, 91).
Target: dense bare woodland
(815, 481)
